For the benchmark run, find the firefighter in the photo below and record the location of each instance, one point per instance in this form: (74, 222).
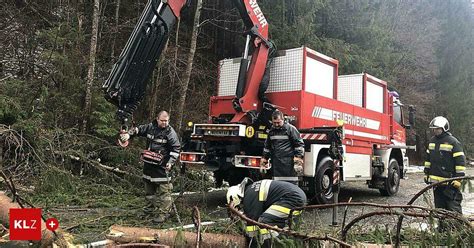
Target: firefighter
(162, 151)
(445, 159)
(285, 148)
(266, 201)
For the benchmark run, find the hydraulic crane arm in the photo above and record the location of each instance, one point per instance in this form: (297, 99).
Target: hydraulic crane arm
(126, 84)
(250, 88)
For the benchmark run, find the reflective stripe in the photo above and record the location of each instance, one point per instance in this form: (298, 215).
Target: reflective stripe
(431, 146)
(265, 236)
(427, 151)
(281, 209)
(174, 154)
(457, 154)
(252, 234)
(266, 150)
(263, 192)
(460, 168)
(251, 228)
(156, 179)
(276, 213)
(427, 164)
(285, 178)
(445, 147)
(268, 234)
(437, 178)
(279, 137)
(252, 231)
(284, 209)
(162, 141)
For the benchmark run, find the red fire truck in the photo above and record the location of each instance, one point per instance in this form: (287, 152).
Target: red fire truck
(302, 83)
(305, 85)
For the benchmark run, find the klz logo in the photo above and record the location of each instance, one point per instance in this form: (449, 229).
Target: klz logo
(25, 224)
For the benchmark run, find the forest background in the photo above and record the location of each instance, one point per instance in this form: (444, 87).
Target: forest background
(424, 49)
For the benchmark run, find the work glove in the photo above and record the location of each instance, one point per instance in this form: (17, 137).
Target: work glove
(124, 136)
(298, 161)
(427, 179)
(133, 131)
(298, 166)
(456, 184)
(263, 165)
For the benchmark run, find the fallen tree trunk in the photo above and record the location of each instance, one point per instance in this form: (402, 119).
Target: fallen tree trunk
(47, 237)
(123, 234)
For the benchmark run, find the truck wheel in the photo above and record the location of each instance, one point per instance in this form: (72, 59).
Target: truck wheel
(323, 181)
(392, 182)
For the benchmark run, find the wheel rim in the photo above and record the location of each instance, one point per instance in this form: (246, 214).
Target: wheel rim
(394, 179)
(326, 184)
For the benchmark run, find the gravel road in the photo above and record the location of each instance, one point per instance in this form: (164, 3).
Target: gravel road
(412, 184)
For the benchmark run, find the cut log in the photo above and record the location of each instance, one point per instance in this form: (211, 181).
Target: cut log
(47, 237)
(123, 234)
(139, 245)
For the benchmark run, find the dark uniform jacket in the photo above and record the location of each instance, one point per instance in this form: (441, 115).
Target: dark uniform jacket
(160, 140)
(270, 202)
(444, 158)
(282, 145)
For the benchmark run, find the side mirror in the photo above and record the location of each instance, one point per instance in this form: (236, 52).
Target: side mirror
(411, 115)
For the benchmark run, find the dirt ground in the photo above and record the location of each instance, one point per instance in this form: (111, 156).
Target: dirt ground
(412, 184)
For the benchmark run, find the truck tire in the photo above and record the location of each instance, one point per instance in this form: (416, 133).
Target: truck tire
(392, 182)
(323, 181)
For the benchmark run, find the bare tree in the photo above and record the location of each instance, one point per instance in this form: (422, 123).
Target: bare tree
(189, 66)
(90, 71)
(117, 8)
(80, 16)
(174, 67)
(155, 88)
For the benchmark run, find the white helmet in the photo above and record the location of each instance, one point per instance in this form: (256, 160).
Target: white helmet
(234, 194)
(440, 122)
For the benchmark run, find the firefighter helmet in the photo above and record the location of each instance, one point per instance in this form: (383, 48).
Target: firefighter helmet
(440, 122)
(236, 192)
